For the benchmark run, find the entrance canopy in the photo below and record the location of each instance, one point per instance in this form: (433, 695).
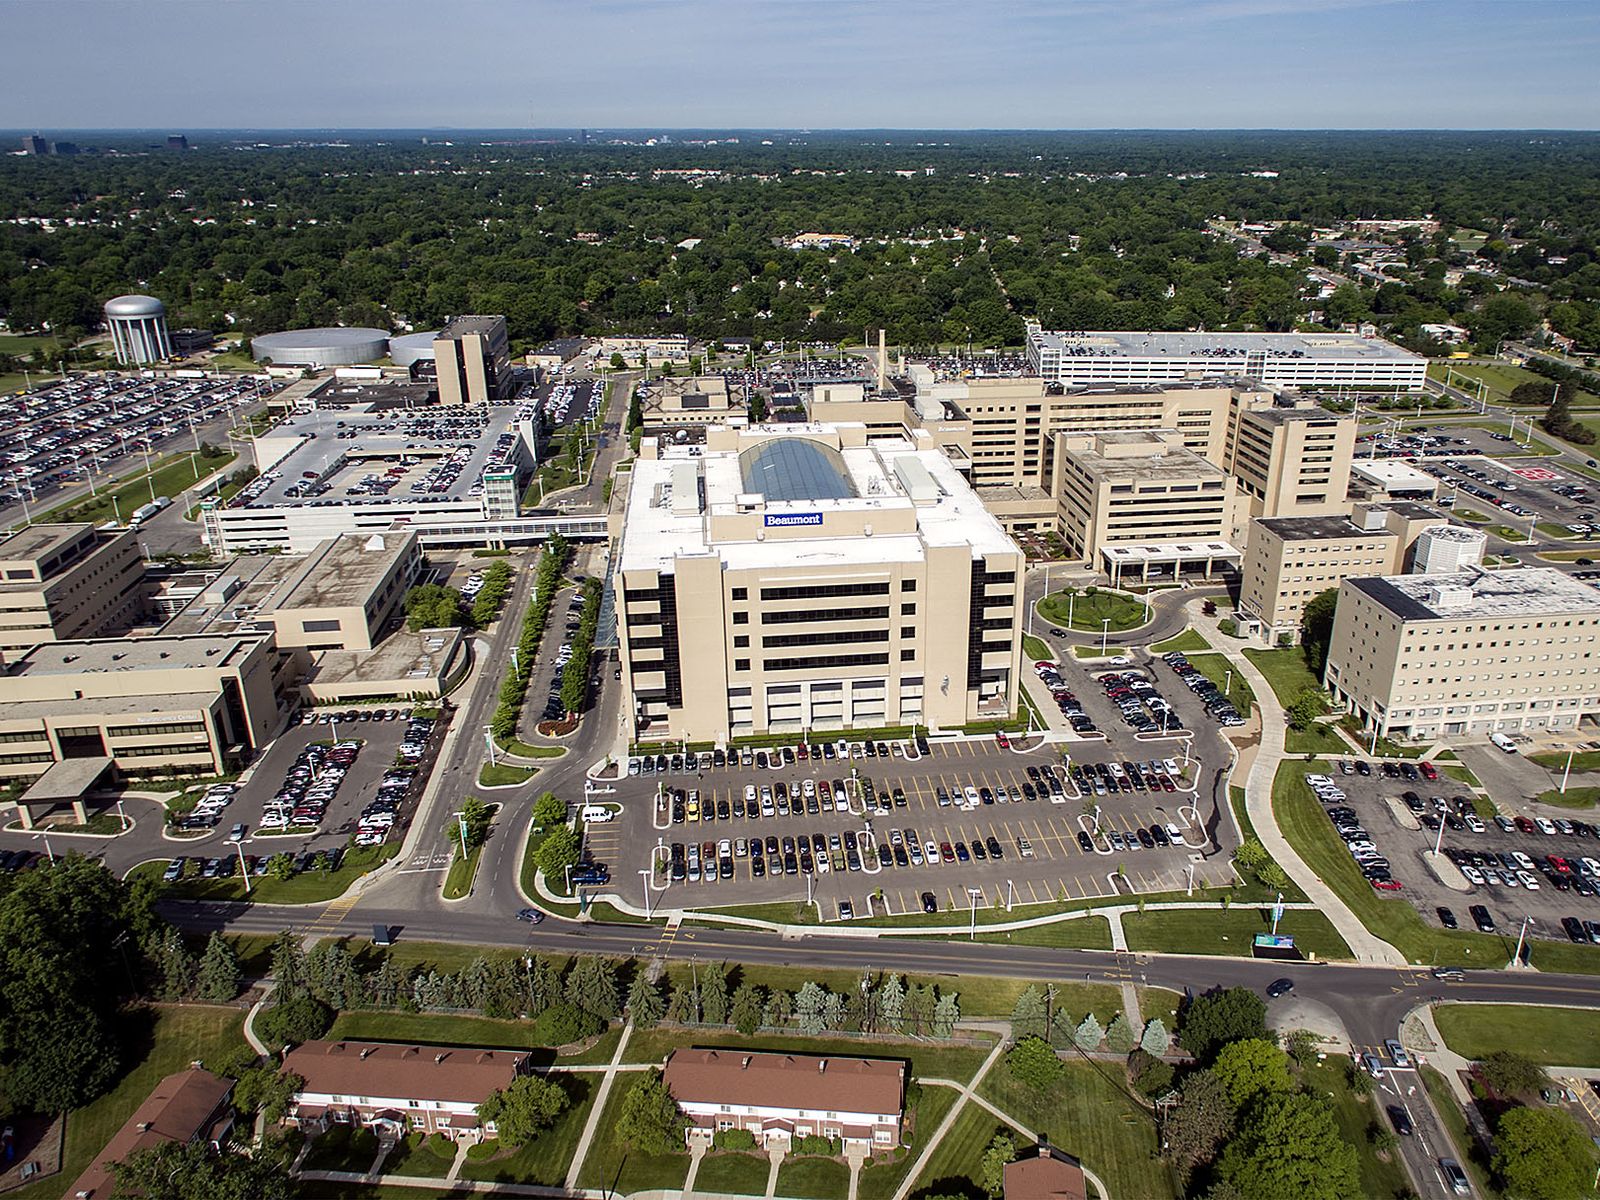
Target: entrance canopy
(65, 782)
(1159, 558)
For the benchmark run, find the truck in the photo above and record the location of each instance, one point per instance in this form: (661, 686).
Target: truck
(144, 512)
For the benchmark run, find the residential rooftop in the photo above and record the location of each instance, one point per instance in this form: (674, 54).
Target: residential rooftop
(1478, 595)
(402, 1071)
(805, 1081)
(179, 1109)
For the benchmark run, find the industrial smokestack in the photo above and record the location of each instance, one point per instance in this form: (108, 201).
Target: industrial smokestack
(883, 358)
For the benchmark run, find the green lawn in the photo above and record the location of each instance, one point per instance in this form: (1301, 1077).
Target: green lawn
(1551, 529)
(815, 1178)
(1035, 650)
(738, 1174)
(26, 343)
(613, 1165)
(1573, 797)
(527, 750)
(1301, 819)
(168, 476)
(1503, 378)
(421, 1157)
(308, 887)
(1199, 931)
(954, 1168)
(1472, 516)
(1187, 641)
(1566, 1037)
(1082, 933)
(164, 1039)
(458, 880)
(544, 1160)
(1583, 760)
(1088, 611)
(1286, 671)
(1467, 1150)
(881, 1177)
(1087, 1114)
(1217, 668)
(502, 775)
(1356, 1115)
(1317, 738)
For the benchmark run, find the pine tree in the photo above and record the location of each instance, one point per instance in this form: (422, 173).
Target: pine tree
(714, 994)
(919, 1009)
(684, 1006)
(384, 984)
(544, 985)
(217, 979)
(177, 966)
(645, 1007)
(1089, 1033)
(1027, 1014)
(592, 987)
(833, 1011)
(747, 1008)
(288, 964)
(809, 1011)
(1120, 1037)
(946, 1012)
(892, 1002)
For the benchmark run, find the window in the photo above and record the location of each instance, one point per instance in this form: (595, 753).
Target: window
(908, 631)
(319, 626)
(908, 610)
(741, 593)
(741, 618)
(741, 664)
(908, 585)
(741, 640)
(908, 656)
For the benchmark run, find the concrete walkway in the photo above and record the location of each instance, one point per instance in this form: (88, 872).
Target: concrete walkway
(965, 1091)
(1269, 755)
(855, 1158)
(597, 1108)
(775, 1158)
(460, 1160)
(697, 1152)
(256, 1043)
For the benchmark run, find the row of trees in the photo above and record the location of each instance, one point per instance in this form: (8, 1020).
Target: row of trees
(552, 566)
(575, 675)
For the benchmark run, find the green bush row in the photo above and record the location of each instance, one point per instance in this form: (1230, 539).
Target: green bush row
(552, 565)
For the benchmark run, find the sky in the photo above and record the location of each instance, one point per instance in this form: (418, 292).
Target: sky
(793, 64)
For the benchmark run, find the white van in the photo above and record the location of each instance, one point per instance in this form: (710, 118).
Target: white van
(597, 814)
(1503, 742)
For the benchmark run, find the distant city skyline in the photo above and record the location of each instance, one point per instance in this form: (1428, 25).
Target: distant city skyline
(821, 64)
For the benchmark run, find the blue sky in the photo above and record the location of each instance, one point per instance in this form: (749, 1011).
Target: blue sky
(928, 64)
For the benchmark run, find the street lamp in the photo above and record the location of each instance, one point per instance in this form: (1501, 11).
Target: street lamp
(1522, 937)
(488, 740)
(243, 869)
(1105, 634)
(972, 899)
(1568, 770)
(644, 874)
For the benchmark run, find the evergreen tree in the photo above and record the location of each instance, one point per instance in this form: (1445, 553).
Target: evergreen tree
(217, 979)
(1155, 1038)
(1120, 1037)
(176, 966)
(592, 987)
(288, 964)
(1089, 1033)
(645, 1007)
(809, 1004)
(384, 985)
(747, 1008)
(683, 1008)
(1027, 1014)
(544, 985)
(946, 1012)
(892, 1002)
(714, 994)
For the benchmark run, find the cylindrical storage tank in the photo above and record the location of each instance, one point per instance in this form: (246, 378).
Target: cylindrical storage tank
(411, 348)
(1442, 549)
(334, 346)
(138, 326)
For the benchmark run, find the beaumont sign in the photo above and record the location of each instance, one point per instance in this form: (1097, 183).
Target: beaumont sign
(783, 520)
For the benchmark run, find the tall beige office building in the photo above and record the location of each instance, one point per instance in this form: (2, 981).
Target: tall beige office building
(796, 579)
(1428, 656)
(67, 581)
(1289, 561)
(473, 356)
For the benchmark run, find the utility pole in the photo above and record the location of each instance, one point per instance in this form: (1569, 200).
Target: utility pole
(1565, 774)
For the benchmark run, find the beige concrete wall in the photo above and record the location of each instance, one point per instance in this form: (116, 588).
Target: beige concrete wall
(98, 593)
(1280, 576)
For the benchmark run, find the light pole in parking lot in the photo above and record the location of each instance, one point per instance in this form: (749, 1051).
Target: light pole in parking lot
(1105, 633)
(1438, 842)
(1190, 890)
(488, 740)
(972, 900)
(1522, 937)
(1568, 771)
(243, 869)
(644, 874)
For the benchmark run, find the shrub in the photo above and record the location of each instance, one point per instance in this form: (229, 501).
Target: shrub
(734, 1139)
(561, 1024)
(812, 1144)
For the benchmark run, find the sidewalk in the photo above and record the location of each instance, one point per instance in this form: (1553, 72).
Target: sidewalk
(1269, 755)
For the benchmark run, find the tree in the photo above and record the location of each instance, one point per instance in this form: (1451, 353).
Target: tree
(714, 994)
(1033, 1061)
(645, 1007)
(1251, 855)
(265, 1089)
(1251, 1068)
(288, 965)
(472, 824)
(1089, 1033)
(592, 986)
(747, 1008)
(299, 1018)
(810, 1007)
(524, 1108)
(617, 361)
(177, 966)
(217, 978)
(557, 852)
(1559, 421)
(1510, 1074)
(549, 809)
(892, 1002)
(432, 606)
(946, 1012)
(193, 1171)
(1543, 1154)
(992, 1167)
(1301, 1046)
(1120, 1038)
(1199, 1123)
(650, 1121)
(1305, 708)
(1151, 1075)
(1219, 1016)
(1533, 391)
(1316, 629)
(1027, 1014)
(1155, 1037)
(1288, 1144)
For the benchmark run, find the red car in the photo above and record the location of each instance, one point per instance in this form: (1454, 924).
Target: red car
(1386, 885)
(1003, 740)
(1428, 771)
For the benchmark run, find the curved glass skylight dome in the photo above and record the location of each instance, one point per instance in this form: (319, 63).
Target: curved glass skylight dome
(794, 468)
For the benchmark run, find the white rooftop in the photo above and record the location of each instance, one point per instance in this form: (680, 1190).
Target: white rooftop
(1391, 474)
(889, 476)
(1223, 346)
(1477, 595)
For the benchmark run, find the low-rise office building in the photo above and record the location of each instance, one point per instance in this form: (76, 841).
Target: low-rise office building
(1429, 656)
(778, 1096)
(797, 578)
(198, 705)
(1289, 561)
(1140, 505)
(654, 350)
(397, 1087)
(67, 581)
(344, 594)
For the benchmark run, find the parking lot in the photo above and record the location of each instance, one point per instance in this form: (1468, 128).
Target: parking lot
(926, 827)
(64, 429)
(1512, 867)
(279, 804)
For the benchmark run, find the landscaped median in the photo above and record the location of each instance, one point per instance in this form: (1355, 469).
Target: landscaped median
(468, 829)
(1093, 610)
(1306, 827)
(1564, 1037)
(314, 886)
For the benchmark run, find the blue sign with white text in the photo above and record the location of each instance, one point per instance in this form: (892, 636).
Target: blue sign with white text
(784, 520)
